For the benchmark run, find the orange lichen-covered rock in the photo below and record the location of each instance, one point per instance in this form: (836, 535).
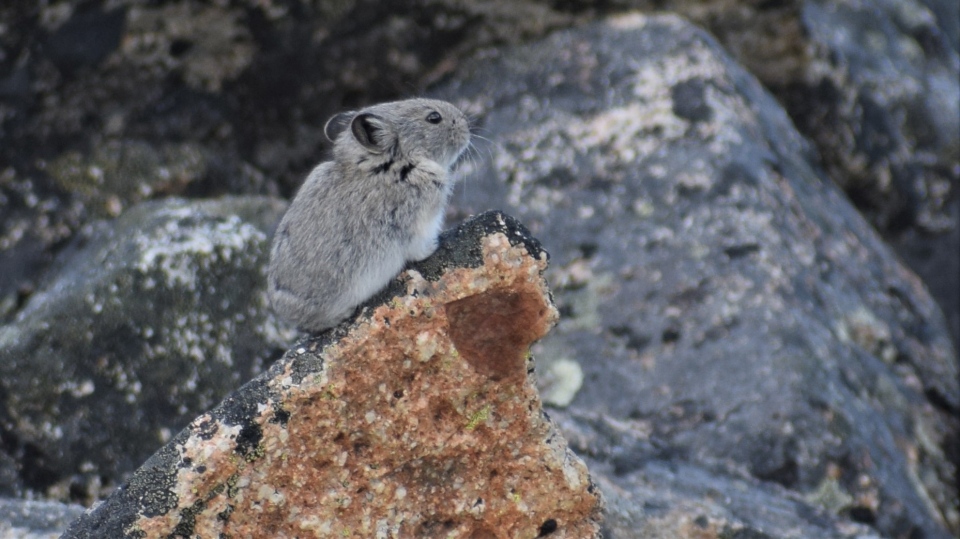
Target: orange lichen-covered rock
(419, 418)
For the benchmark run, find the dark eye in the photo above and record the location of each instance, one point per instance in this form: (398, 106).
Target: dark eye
(434, 117)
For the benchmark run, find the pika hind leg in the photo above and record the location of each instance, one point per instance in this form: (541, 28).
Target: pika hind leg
(306, 315)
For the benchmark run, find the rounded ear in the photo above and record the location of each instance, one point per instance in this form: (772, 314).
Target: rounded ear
(336, 124)
(373, 132)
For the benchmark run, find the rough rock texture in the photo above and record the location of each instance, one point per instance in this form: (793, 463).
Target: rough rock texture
(151, 319)
(936, 259)
(719, 293)
(418, 419)
(20, 519)
(890, 130)
(876, 86)
(678, 501)
(651, 492)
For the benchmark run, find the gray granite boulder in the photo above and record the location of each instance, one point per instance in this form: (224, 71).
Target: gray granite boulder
(21, 519)
(874, 84)
(721, 296)
(149, 320)
(876, 87)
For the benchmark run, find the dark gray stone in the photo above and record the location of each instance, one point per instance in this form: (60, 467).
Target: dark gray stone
(22, 519)
(149, 320)
(947, 13)
(85, 39)
(674, 500)
(714, 286)
(936, 259)
(890, 135)
(876, 87)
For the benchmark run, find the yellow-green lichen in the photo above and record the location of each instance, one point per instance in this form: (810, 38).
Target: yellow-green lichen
(478, 417)
(257, 453)
(831, 496)
(232, 489)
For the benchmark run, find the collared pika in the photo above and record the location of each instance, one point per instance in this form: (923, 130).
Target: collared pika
(357, 220)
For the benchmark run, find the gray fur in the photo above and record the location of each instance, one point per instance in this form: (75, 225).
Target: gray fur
(358, 219)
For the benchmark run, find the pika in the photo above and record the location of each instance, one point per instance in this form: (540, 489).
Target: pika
(358, 219)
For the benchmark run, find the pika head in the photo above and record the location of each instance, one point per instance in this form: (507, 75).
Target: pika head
(414, 130)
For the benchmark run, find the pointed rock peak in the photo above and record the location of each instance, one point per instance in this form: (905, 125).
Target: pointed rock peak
(419, 418)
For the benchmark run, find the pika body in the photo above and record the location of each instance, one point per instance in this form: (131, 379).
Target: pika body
(358, 219)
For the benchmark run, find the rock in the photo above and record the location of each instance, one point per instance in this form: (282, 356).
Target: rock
(876, 87)
(890, 75)
(21, 519)
(720, 294)
(419, 418)
(677, 501)
(150, 320)
(947, 14)
(655, 494)
(120, 174)
(936, 259)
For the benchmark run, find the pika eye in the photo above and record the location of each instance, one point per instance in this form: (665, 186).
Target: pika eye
(434, 117)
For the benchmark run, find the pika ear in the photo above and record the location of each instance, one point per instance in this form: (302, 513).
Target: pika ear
(337, 124)
(373, 132)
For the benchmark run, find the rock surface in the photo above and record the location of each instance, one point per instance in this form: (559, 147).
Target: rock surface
(150, 321)
(418, 419)
(722, 297)
(876, 87)
(873, 84)
(20, 519)
(678, 501)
